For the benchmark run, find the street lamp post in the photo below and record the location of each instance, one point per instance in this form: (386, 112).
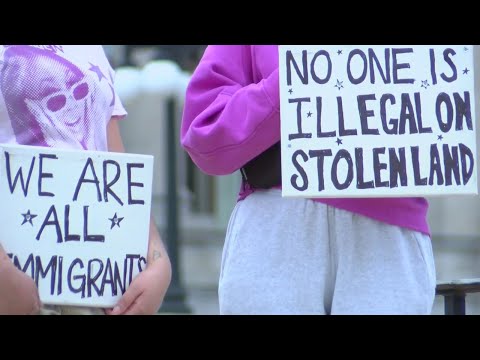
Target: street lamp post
(175, 299)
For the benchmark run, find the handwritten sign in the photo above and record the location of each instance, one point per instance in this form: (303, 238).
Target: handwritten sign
(377, 121)
(76, 222)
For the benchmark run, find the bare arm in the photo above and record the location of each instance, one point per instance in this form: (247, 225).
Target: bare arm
(146, 292)
(18, 292)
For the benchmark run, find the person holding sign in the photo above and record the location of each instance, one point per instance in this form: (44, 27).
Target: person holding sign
(296, 256)
(63, 97)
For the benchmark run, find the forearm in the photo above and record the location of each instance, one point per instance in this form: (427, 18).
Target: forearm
(156, 248)
(228, 117)
(18, 292)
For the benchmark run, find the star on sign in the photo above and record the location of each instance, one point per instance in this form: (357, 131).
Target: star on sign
(290, 91)
(309, 114)
(340, 52)
(465, 72)
(339, 141)
(339, 84)
(440, 137)
(465, 48)
(97, 71)
(28, 217)
(115, 221)
(425, 84)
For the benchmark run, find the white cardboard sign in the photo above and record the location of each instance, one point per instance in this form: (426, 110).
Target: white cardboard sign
(377, 120)
(76, 221)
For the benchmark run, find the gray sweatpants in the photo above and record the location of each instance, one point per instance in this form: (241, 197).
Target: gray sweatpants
(297, 256)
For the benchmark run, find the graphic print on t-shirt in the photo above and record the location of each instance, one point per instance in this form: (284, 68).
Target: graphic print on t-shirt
(53, 102)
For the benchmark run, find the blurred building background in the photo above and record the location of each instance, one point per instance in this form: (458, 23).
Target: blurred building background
(147, 77)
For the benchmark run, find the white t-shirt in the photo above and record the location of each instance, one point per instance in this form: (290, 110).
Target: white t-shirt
(57, 96)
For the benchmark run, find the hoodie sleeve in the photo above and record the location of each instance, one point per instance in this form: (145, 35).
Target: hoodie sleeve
(228, 119)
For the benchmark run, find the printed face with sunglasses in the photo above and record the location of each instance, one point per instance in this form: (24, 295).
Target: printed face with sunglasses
(63, 106)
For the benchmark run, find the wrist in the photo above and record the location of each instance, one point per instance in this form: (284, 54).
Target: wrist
(161, 265)
(158, 262)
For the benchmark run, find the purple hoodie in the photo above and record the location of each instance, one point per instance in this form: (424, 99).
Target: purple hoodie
(232, 114)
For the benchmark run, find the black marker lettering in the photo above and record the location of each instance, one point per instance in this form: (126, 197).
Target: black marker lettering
(81, 288)
(398, 66)
(19, 175)
(303, 174)
(42, 273)
(321, 134)
(300, 134)
(88, 164)
(462, 110)
(384, 74)
(341, 121)
(432, 67)
(303, 76)
(418, 110)
(451, 164)
(68, 236)
(320, 155)
(446, 56)
(86, 236)
(108, 279)
(342, 154)
(43, 175)
(361, 184)
(365, 114)
(131, 184)
(329, 67)
(406, 113)
(51, 212)
(378, 166)
(416, 167)
(92, 279)
(398, 167)
(107, 186)
(465, 153)
(435, 166)
(362, 77)
(444, 98)
(383, 115)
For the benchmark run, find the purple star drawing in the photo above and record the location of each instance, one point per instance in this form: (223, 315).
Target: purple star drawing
(339, 141)
(466, 71)
(290, 91)
(339, 84)
(425, 84)
(97, 71)
(115, 221)
(309, 114)
(28, 217)
(440, 137)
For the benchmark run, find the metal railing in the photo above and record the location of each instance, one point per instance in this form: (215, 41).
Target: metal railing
(455, 293)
